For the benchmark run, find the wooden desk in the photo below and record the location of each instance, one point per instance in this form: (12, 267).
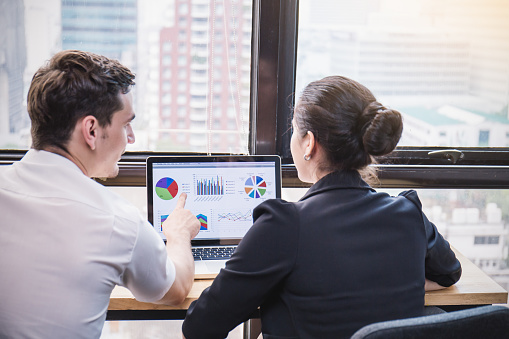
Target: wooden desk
(122, 299)
(474, 288)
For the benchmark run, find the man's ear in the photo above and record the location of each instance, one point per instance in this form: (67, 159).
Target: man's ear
(89, 130)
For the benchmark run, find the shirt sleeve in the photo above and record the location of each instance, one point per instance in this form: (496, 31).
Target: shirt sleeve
(441, 264)
(150, 273)
(262, 260)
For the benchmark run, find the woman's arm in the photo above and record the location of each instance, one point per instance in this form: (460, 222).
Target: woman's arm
(263, 258)
(432, 286)
(441, 265)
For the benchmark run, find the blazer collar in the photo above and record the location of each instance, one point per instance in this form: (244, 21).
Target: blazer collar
(337, 180)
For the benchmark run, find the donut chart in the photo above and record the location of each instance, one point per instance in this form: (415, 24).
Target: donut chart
(167, 188)
(255, 187)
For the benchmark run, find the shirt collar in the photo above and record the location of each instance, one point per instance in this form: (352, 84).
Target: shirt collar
(34, 156)
(337, 180)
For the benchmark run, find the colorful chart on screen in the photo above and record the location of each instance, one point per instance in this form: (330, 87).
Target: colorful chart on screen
(203, 222)
(167, 188)
(163, 219)
(255, 187)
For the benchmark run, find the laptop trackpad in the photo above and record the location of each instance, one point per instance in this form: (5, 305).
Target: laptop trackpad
(208, 266)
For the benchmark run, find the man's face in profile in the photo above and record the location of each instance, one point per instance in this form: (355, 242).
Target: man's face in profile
(114, 139)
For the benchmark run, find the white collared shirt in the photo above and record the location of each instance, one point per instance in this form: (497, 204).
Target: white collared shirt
(65, 242)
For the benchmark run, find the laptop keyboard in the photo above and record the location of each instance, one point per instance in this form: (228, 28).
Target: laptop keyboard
(213, 253)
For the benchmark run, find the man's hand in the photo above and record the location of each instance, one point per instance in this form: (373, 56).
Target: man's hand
(181, 222)
(179, 228)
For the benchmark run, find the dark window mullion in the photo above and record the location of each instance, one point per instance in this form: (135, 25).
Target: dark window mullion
(273, 75)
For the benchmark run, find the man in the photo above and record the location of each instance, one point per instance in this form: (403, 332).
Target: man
(66, 240)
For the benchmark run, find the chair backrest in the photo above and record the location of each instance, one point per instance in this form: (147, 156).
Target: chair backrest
(479, 322)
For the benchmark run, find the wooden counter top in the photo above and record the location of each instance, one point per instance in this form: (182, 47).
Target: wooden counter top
(474, 288)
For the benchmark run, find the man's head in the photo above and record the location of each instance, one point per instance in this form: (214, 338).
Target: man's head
(73, 85)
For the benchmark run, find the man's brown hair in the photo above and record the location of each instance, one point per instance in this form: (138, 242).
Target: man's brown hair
(72, 85)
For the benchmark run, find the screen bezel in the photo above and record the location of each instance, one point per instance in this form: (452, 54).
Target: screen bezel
(206, 158)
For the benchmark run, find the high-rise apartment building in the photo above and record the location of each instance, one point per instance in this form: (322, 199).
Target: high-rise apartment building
(205, 60)
(107, 27)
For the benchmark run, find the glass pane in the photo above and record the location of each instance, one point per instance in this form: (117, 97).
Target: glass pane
(191, 59)
(443, 64)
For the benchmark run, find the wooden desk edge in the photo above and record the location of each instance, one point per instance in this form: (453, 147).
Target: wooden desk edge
(474, 288)
(432, 299)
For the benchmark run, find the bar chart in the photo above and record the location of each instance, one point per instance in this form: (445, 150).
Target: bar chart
(210, 186)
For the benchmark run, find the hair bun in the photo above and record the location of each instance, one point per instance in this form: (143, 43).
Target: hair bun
(382, 130)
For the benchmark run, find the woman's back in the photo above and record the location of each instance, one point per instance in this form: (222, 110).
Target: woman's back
(361, 255)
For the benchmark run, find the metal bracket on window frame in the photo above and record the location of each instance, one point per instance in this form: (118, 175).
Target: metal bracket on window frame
(453, 155)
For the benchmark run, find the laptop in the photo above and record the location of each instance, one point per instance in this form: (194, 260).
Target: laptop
(222, 192)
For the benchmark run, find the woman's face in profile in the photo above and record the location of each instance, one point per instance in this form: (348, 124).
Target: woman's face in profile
(297, 148)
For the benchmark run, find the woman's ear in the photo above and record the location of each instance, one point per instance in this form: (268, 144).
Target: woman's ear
(89, 130)
(311, 143)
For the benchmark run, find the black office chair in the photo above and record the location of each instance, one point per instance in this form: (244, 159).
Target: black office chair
(480, 322)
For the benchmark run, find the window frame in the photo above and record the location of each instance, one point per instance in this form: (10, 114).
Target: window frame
(273, 66)
(406, 167)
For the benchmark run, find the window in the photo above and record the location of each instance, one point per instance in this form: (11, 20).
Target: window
(141, 35)
(484, 137)
(281, 71)
(182, 111)
(489, 240)
(423, 58)
(218, 86)
(182, 47)
(493, 240)
(182, 60)
(182, 99)
(183, 8)
(182, 86)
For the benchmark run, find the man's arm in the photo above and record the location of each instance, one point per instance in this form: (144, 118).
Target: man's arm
(179, 228)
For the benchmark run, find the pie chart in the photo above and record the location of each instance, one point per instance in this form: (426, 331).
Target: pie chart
(255, 186)
(167, 188)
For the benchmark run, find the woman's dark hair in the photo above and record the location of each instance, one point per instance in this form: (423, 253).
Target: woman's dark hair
(347, 122)
(74, 84)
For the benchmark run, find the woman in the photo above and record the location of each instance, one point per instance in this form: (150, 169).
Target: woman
(344, 255)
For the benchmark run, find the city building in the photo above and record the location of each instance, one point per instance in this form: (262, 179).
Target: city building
(449, 125)
(482, 236)
(205, 76)
(106, 27)
(12, 64)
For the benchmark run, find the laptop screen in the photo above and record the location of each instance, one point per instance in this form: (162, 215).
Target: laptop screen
(222, 192)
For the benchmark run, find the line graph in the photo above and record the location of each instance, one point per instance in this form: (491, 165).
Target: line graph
(235, 216)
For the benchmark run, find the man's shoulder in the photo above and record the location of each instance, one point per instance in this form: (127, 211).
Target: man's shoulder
(105, 199)
(44, 175)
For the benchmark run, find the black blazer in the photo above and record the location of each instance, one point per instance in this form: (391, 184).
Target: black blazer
(342, 257)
